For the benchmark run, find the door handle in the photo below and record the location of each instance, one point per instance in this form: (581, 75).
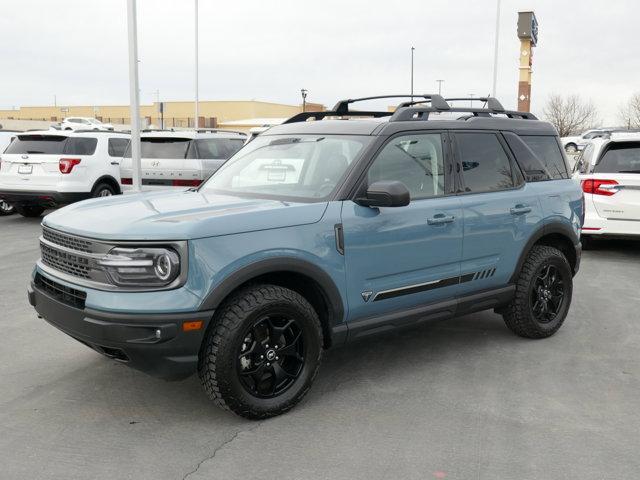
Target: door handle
(115, 163)
(440, 219)
(520, 209)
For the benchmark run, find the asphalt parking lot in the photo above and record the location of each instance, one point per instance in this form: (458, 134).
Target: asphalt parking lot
(460, 399)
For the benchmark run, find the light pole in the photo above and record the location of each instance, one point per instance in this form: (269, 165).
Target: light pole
(134, 94)
(495, 51)
(303, 92)
(196, 73)
(412, 50)
(440, 82)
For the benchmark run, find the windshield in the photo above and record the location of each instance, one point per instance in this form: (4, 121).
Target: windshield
(52, 145)
(295, 167)
(218, 147)
(620, 157)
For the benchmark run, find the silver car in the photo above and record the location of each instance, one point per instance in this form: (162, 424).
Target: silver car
(181, 158)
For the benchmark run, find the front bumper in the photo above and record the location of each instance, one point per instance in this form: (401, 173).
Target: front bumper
(42, 198)
(153, 343)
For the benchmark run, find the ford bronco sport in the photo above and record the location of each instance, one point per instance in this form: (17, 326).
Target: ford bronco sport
(317, 233)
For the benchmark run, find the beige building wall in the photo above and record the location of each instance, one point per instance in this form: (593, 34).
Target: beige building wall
(175, 113)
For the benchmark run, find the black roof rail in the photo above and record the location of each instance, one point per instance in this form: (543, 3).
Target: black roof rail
(492, 103)
(422, 113)
(341, 109)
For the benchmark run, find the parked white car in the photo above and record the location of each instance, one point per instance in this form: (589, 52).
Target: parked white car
(577, 143)
(181, 158)
(609, 171)
(46, 169)
(84, 123)
(6, 136)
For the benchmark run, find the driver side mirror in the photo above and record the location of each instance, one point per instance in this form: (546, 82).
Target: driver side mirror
(389, 193)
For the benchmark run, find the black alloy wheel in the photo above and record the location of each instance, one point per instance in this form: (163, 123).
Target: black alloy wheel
(547, 294)
(271, 356)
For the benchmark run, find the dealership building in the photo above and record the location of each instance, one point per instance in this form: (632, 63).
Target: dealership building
(239, 114)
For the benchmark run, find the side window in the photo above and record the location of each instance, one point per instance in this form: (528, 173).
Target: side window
(117, 147)
(415, 160)
(80, 146)
(485, 164)
(533, 168)
(548, 151)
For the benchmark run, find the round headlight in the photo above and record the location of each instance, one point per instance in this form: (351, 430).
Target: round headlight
(163, 266)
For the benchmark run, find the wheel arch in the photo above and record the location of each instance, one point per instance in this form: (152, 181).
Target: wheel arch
(108, 179)
(301, 276)
(557, 235)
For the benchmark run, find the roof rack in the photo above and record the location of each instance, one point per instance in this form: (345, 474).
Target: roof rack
(219, 130)
(341, 109)
(413, 109)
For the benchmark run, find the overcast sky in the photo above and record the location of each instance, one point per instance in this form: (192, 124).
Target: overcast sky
(268, 50)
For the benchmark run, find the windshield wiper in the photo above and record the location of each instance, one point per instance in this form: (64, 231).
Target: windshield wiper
(628, 171)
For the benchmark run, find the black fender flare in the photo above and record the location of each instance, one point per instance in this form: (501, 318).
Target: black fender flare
(278, 265)
(547, 229)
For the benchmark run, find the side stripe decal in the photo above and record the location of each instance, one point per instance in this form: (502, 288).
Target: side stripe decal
(423, 287)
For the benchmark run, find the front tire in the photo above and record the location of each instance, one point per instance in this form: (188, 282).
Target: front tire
(29, 211)
(543, 294)
(262, 352)
(6, 208)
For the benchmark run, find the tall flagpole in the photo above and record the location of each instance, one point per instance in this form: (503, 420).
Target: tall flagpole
(196, 54)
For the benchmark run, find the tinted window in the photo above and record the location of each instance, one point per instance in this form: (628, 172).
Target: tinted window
(117, 147)
(549, 153)
(167, 148)
(218, 147)
(485, 165)
(532, 167)
(37, 144)
(415, 160)
(620, 157)
(80, 146)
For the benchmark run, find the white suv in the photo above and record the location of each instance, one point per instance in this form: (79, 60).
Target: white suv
(6, 136)
(609, 171)
(47, 169)
(181, 158)
(84, 123)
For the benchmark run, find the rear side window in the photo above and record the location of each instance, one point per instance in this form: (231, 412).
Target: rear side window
(548, 151)
(163, 147)
(485, 164)
(37, 145)
(620, 157)
(117, 147)
(222, 148)
(80, 146)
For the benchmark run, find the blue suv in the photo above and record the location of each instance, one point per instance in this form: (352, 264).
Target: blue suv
(329, 228)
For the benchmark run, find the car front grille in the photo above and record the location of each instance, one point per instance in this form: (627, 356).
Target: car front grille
(68, 241)
(64, 262)
(67, 295)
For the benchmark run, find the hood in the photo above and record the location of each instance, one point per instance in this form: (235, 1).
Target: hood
(182, 215)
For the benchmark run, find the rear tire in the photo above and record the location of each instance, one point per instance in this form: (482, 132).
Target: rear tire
(103, 190)
(29, 211)
(571, 148)
(543, 294)
(6, 209)
(262, 352)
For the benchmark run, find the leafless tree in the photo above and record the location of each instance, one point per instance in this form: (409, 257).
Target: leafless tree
(570, 114)
(630, 112)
